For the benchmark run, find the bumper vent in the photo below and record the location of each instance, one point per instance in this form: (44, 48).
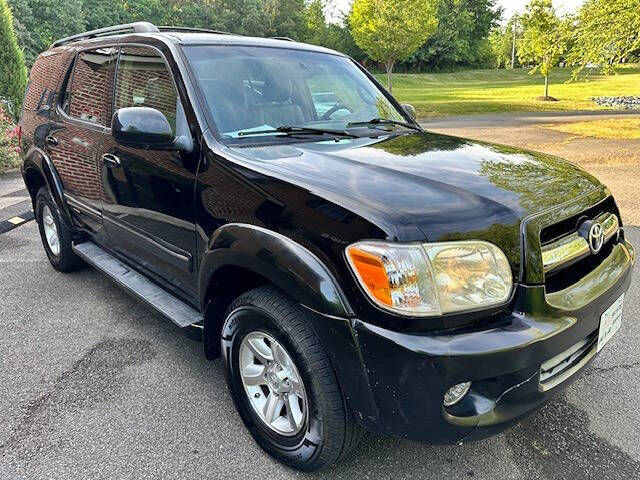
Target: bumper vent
(557, 369)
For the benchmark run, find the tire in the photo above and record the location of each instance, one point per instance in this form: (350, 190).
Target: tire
(61, 255)
(328, 430)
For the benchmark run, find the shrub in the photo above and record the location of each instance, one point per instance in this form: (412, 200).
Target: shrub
(9, 148)
(13, 74)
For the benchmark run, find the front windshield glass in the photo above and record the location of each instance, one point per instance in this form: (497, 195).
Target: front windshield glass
(252, 90)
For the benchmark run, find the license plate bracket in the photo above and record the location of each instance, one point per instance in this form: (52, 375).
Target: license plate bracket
(610, 322)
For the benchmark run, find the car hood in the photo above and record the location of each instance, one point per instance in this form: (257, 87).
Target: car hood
(433, 187)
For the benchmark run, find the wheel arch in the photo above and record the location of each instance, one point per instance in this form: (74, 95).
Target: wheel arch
(38, 171)
(240, 257)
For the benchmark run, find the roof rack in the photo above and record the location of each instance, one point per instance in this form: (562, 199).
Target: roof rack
(137, 27)
(286, 39)
(168, 28)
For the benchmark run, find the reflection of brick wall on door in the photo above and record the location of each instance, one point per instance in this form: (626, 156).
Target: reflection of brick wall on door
(75, 161)
(92, 84)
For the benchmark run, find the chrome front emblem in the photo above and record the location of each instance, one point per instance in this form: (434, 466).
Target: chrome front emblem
(595, 238)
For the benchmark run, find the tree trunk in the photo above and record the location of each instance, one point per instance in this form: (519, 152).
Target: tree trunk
(546, 86)
(389, 64)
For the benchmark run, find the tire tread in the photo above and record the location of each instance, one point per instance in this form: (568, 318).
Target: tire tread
(342, 432)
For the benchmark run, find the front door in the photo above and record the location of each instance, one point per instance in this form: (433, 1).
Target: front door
(148, 195)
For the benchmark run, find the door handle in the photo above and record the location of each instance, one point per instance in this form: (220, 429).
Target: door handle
(51, 140)
(111, 159)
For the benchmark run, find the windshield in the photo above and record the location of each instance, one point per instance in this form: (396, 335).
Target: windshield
(253, 90)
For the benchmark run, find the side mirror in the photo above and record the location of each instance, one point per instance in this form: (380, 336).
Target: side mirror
(410, 110)
(142, 127)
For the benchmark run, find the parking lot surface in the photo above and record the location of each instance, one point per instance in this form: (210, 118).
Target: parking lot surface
(95, 386)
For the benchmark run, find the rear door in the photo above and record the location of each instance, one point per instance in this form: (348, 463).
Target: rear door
(81, 118)
(148, 195)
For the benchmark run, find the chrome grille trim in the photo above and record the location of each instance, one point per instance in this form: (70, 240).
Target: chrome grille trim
(574, 247)
(559, 368)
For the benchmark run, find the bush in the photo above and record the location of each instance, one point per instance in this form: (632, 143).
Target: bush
(9, 148)
(13, 74)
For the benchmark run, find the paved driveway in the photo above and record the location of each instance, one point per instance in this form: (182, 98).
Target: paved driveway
(94, 386)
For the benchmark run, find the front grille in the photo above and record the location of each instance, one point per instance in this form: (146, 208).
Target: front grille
(557, 369)
(568, 258)
(561, 279)
(553, 232)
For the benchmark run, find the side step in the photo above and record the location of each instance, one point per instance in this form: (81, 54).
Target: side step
(138, 285)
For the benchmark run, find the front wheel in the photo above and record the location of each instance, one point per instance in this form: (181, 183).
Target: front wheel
(283, 384)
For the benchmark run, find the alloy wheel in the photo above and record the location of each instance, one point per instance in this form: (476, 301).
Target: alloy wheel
(50, 231)
(273, 384)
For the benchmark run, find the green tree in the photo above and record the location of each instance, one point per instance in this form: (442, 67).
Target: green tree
(13, 75)
(607, 33)
(21, 10)
(43, 21)
(502, 42)
(316, 24)
(285, 18)
(543, 41)
(391, 31)
(461, 38)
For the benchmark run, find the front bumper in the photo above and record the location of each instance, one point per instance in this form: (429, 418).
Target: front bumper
(406, 375)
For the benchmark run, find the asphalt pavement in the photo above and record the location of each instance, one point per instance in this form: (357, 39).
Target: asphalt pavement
(95, 386)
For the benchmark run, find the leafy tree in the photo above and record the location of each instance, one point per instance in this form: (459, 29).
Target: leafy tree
(43, 21)
(102, 13)
(543, 41)
(316, 25)
(607, 33)
(501, 40)
(13, 76)
(285, 18)
(392, 31)
(21, 10)
(461, 38)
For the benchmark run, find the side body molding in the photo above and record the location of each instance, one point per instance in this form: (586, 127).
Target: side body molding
(39, 161)
(286, 263)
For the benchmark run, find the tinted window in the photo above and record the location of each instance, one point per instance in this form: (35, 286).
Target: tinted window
(144, 81)
(256, 88)
(89, 94)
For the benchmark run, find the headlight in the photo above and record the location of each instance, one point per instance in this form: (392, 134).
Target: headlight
(434, 278)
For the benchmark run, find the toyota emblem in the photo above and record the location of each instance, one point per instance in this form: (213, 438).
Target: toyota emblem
(596, 237)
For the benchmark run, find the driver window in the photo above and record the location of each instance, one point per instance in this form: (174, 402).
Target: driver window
(143, 80)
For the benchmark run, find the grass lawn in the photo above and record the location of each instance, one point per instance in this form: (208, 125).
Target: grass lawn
(619, 128)
(489, 91)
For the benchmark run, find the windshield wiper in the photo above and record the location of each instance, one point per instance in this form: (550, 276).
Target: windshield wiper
(384, 121)
(289, 130)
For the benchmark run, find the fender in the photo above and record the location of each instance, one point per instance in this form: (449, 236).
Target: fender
(37, 159)
(286, 263)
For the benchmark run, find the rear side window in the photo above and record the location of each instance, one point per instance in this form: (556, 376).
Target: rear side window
(144, 81)
(89, 92)
(43, 81)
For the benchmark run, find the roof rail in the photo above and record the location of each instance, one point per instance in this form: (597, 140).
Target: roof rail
(286, 39)
(137, 27)
(168, 28)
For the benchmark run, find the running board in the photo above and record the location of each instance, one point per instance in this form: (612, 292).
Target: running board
(138, 285)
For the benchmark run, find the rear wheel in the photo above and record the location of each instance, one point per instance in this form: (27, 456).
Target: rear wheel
(283, 384)
(56, 236)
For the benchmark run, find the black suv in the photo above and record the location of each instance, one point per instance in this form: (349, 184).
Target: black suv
(350, 269)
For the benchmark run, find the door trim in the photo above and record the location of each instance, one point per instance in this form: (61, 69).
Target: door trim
(158, 247)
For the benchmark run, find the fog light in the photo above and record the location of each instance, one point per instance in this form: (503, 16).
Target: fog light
(456, 393)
